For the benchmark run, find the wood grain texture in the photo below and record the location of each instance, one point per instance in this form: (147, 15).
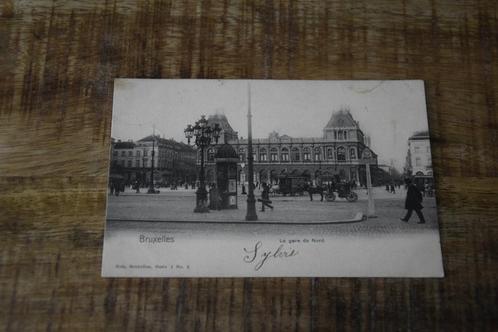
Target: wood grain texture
(58, 62)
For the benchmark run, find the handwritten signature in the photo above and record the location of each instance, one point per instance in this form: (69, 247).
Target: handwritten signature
(260, 256)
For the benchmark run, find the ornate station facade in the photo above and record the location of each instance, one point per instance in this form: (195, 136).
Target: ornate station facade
(337, 153)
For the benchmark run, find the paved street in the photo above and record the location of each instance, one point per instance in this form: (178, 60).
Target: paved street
(178, 205)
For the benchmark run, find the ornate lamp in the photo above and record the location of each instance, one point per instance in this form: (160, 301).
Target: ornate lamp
(204, 135)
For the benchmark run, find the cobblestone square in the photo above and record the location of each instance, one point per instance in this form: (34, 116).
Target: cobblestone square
(177, 206)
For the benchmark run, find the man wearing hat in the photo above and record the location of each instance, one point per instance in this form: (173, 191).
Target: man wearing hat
(413, 202)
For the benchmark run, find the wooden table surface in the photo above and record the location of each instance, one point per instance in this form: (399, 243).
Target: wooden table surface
(58, 62)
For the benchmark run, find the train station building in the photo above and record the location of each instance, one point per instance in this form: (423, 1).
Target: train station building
(336, 153)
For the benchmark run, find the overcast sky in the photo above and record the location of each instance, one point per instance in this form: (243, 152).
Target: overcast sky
(388, 111)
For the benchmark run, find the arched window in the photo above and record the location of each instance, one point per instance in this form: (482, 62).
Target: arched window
(273, 154)
(330, 153)
(318, 154)
(341, 154)
(295, 155)
(341, 135)
(285, 154)
(306, 154)
(262, 155)
(210, 154)
(352, 153)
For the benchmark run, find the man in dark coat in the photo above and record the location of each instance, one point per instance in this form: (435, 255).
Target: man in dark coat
(413, 202)
(265, 198)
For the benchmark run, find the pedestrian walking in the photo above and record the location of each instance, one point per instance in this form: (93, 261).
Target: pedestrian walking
(265, 198)
(117, 188)
(393, 191)
(413, 202)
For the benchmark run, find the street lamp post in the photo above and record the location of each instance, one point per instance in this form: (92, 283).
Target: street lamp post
(243, 178)
(144, 178)
(152, 190)
(204, 135)
(368, 159)
(251, 201)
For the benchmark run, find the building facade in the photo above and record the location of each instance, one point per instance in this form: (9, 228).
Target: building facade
(336, 153)
(419, 161)
(173, 161)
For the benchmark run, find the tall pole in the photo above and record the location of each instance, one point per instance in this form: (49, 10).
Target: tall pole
(144, 178)
(201, 174)
(201, 194)
(152, 190)
(251, 201)
(367, 158)
(371, 204)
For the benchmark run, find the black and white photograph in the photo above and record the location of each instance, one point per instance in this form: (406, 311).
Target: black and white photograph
(270, 178)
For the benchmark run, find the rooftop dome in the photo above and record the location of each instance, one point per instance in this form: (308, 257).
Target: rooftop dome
(222, 120)
(226, 151)
(341, 119)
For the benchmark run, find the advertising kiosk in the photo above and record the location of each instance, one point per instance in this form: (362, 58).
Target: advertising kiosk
(226, 159)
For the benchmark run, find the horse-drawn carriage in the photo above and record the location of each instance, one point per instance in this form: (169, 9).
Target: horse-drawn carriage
(343, 190)
(290, 185)
(332, 190)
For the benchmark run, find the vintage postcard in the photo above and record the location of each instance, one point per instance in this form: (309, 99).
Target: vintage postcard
(265, 178)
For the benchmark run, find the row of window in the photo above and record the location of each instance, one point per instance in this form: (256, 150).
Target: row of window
(418, 161)
(144, 163)
(418, 149)
(339, 134)
(294, 154)
(138, 163)
(129, 153)
(138, 153)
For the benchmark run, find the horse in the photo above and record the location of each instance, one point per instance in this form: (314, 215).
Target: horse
(314, 190)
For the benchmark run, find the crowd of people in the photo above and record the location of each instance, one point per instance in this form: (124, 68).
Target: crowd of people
(391, 188)
(118, 185)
